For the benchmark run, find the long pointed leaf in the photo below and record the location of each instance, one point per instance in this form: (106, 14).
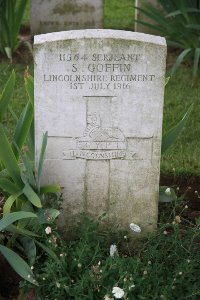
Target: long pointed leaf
(18, 264)
(169, 138)
(196, 61)
(49, 251)
(179, 60)
(9, 202)
(40, 164)
(32, 196)
(22, 128)
(7, 94)
(8, 158)
(50, 189)
(8, 186)
(22, 231)
(13, 217)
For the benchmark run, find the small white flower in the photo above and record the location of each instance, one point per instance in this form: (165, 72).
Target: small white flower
(29, 276)
(135, 228)
(113, 250)
(125, 237)
(180, 273)
(48, 230)
(145, 272)
(79, 265)
(32, 267)
(106, 297)
(118, 293)
(131, 286)
(168, 192)
(43, 278)
(58, 285)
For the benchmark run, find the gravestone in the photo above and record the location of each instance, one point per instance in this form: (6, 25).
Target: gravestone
(58, 15)
(143, 18)
(99, 94)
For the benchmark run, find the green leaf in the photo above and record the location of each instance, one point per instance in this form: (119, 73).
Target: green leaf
(29, 85)
(9, 160)
(50, 189)
(9, 202)
(29, 168)
(8, 219)
(48, 250)
(47, 215)
(22, 231)
(31, 195)
(29, 249)
(196, 61)
(41, 159)
(7, 94)
(8, 186)
(179, 60)
(22, 128)
(18, 264)
(169, 138)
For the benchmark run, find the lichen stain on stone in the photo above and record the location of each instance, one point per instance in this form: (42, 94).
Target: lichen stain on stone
(73, 8)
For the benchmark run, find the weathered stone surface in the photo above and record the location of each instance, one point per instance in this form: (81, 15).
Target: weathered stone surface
(57, 15)
(99, 94)
(143, 18)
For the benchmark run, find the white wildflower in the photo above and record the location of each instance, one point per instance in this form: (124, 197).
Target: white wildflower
(106, 297)
(135, 228)
(145, 272)
(48, 230)
(168, 192)
(118, 293)
(79, 265)
(58, 285)
(29, 276)
(32, 267)
(131, 286)
(113, 250)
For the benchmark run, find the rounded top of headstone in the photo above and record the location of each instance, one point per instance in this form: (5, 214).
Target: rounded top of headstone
(99, 34)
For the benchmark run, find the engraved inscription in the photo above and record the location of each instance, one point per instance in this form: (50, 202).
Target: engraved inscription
(99, 72)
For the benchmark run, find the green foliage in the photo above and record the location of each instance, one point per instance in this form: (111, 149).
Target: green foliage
(171, 135)
(179, 22)
(161, 266)
(18, 182)
(11, 14)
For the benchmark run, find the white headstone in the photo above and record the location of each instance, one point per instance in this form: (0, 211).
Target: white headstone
(99, 94)
(57, 15)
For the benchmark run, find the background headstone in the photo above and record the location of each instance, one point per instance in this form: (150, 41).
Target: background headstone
(58, 15)
(143, 18)
(99, 94)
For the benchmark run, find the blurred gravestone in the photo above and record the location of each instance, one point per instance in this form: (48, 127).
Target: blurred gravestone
(99, 94)
(58, 15)
(139, 16)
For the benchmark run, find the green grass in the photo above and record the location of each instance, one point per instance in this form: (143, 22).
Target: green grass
(164, 265)
(180, 93)
(119, 14)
